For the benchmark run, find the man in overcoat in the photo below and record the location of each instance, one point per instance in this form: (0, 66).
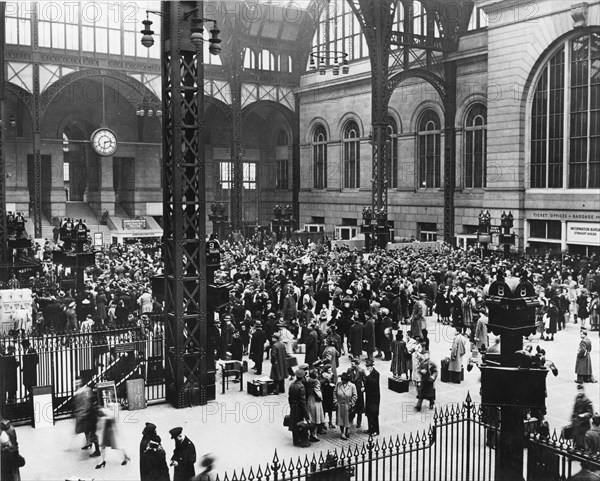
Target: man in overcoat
(355, 338)
(369, 337)
(298, 409)
(312, 344)
(372, 398)
(257, 345)
(583, 364)
(278, 364)
(184, 456)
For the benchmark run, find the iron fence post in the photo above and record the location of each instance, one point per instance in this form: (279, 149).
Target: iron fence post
(370, 452)
(468, 406)
(275, 466)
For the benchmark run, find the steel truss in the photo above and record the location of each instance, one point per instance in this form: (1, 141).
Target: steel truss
(184, 209)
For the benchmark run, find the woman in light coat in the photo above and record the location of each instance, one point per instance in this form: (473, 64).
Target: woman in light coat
(344, 397)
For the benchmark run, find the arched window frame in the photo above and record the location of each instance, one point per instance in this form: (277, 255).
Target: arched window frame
(475, 143)
(319, 152)
(565, 117)
(391, 168)
(351, 155)
(249, 59)
(428, 150)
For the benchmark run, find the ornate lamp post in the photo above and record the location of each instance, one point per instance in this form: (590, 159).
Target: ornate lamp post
(506, 237)
(483, 235)
(277, 221)
(288, 221)
(367, 227)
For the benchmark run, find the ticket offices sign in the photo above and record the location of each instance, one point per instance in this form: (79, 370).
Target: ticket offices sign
(583, 233)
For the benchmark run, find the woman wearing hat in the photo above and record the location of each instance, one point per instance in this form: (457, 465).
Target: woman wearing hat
(153, 459)
(344, 397)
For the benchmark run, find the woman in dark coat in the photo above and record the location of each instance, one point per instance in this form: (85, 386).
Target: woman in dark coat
(101, 302)
(582, 307)
(553, 320)
(312, 345)
(400, 355)
(153, 459)
(442, 306)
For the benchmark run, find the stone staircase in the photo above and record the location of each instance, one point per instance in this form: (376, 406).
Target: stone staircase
(75, 210)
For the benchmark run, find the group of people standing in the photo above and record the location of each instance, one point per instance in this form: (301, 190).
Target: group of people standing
(313, 394)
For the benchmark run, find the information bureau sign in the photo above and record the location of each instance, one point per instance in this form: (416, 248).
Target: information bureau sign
(134, 224)
(585, 233)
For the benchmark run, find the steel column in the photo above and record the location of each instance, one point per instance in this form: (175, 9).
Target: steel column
(296, 163)
(236, 145)
(450, 150)
(3, 231)
(184, 207)
(37, 155)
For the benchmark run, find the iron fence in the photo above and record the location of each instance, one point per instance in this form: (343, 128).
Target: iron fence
(60, 360)
(556, 458)
(458, 445)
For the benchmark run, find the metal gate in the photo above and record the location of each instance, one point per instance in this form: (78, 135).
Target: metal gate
(60, 360)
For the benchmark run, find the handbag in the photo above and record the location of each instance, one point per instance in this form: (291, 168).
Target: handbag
(567, 432)
(20, 461)
(286, 421)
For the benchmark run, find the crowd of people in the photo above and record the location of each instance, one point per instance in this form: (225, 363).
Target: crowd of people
(333, 302)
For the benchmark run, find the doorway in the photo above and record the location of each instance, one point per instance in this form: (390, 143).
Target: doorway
(124, 183)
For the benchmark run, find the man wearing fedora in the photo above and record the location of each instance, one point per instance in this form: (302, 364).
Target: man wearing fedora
(257, 345)
(278, 363)
(372, 397)
(184, 456)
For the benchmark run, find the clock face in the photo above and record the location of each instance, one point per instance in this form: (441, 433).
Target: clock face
(104, 142)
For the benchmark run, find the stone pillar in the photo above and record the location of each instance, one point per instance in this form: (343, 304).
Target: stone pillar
(563, 237)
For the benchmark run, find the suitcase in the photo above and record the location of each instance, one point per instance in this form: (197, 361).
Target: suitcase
(444, 374)
(260, 388)
(398, 385)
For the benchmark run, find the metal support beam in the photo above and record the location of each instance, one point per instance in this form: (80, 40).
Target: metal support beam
(3, 231)
(450, 151)
(236, 140)
(296, 163)
(37, 144)
(184, 208)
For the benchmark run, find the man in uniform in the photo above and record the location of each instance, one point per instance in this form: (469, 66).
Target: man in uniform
(184, 456)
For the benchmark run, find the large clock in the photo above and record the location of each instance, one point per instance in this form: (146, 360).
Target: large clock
(104, 142)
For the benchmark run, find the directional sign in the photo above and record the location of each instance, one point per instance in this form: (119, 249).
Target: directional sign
(494, 229)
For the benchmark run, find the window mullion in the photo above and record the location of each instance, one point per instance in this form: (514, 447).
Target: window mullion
(566, 116)
(589, 109)
(548, 119)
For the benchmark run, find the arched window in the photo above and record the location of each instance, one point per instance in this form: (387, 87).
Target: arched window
(391, 168)
(429, 150)
(568, 93)
(319, 149)
(249, 59)
(267, 61)
(475, 147)
(351, 153)
(281, 157)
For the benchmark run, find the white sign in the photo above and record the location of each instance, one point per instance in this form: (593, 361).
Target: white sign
(583, 233)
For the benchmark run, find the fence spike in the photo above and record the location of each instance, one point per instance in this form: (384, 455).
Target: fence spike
(251, 475)
(384, 445)
(243, 476)
(404, 441)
